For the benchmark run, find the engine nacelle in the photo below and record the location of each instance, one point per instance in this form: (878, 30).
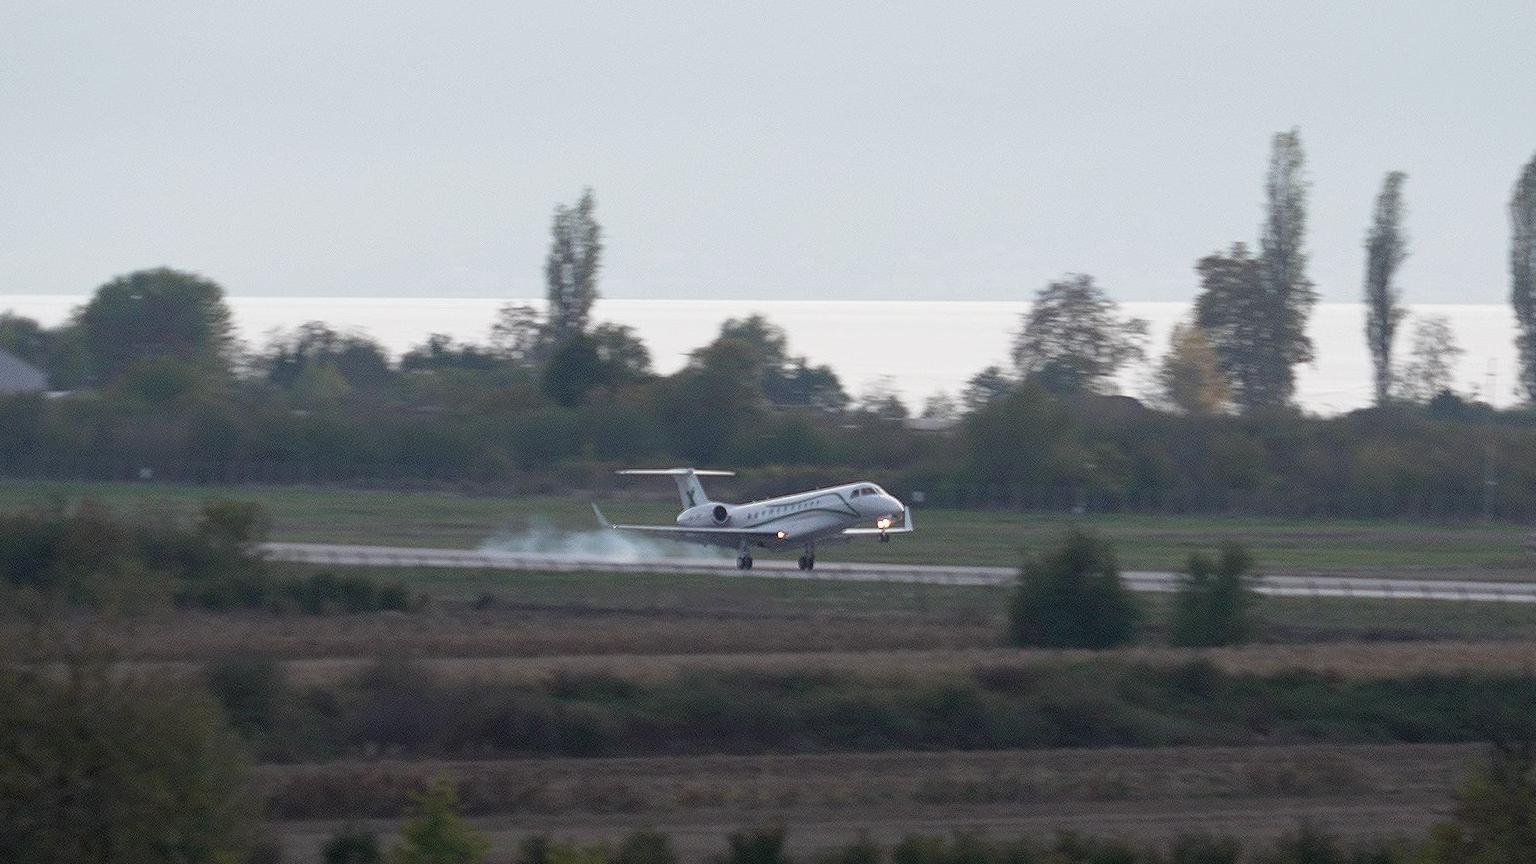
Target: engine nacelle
(705, 516)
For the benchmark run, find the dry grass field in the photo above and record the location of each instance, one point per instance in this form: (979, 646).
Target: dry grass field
(1364, 791)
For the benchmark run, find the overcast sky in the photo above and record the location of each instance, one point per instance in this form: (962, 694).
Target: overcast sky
(840, 150)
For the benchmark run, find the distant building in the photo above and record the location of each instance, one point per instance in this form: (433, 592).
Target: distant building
(17, 376)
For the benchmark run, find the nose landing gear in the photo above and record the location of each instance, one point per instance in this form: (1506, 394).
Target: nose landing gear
(808, 560)
(744, 562)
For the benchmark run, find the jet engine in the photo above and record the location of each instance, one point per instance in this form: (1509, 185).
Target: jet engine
(720, 514)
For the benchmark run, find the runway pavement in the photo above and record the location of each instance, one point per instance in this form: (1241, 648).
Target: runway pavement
(929, 574)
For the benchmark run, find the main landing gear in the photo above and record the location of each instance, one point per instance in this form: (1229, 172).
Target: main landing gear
(808, 560)
(744, 561)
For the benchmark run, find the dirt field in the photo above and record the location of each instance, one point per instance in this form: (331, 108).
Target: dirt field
(1142, 794)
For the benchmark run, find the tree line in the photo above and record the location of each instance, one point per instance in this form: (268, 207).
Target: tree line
(550, 398)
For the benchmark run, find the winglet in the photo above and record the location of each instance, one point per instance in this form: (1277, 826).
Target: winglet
(906, 517)
(601, 519)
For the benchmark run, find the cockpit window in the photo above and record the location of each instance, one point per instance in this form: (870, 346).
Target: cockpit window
(865, 490)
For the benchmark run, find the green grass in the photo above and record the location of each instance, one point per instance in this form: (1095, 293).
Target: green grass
(1281, 619)
(943, 536)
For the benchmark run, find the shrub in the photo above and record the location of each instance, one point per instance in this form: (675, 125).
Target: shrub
(352, 845)
(1072, 597)
(1214, 599)
(1204, 849)
(534, 849)
(764, 845)
(325, 593)
(860, 851)
(1495, 817)
(436, 834)
(249, 689)
(97, 768)
(646, 847)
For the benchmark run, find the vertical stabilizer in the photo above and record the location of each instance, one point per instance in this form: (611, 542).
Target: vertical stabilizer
(689, 489)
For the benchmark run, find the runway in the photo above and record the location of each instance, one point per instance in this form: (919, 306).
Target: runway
(1366, 587)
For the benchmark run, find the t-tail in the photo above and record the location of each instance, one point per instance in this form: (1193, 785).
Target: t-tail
(689, 489)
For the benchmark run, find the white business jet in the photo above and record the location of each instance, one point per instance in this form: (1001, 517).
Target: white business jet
(803, 520)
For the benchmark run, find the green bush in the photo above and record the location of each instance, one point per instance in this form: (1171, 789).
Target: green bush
(860, 851)
(1072, 597)
(98, 768)
(250, 690)
(762, 845)
(1204, 849)
(645, 847)
(1495, 816)
(436, 834)
(326, 593)
(352, 845)
(1214, 600)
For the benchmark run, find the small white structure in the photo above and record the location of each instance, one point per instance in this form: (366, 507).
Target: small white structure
(17, 376)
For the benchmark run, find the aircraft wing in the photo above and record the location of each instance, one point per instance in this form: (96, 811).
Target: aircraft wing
(906, 527)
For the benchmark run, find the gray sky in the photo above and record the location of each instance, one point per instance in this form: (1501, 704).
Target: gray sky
(841, 150)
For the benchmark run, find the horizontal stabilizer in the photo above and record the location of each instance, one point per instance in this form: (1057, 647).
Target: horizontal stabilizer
(689, 490)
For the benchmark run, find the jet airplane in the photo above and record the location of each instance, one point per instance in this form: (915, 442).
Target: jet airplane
(803, 520)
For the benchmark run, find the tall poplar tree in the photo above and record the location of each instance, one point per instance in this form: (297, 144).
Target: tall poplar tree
(1386, 245)
(1522, 272)
(570, 271)
(1254, 310)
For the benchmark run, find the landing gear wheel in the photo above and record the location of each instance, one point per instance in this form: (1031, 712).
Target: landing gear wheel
(885, 538)
(744, 562)
(807, 562)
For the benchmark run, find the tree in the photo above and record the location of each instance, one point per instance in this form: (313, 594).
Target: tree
(882, 401)
(1214, 600)
(1255, 311)
(1495, 817)
(440, 351)
(713, 398)
(1190, 375)
(624, 357)
(940, 406)
(98, 767)
(518, 334)
(785, 381)
(436, 834)
(570, 271)
(156, 313)
(313, 357)
(1386, 245)
(1072, 597)
(1432, 361)
(1074, 338)
(58, 352)
(1522, 272)
(985, 387)
(573, 370)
